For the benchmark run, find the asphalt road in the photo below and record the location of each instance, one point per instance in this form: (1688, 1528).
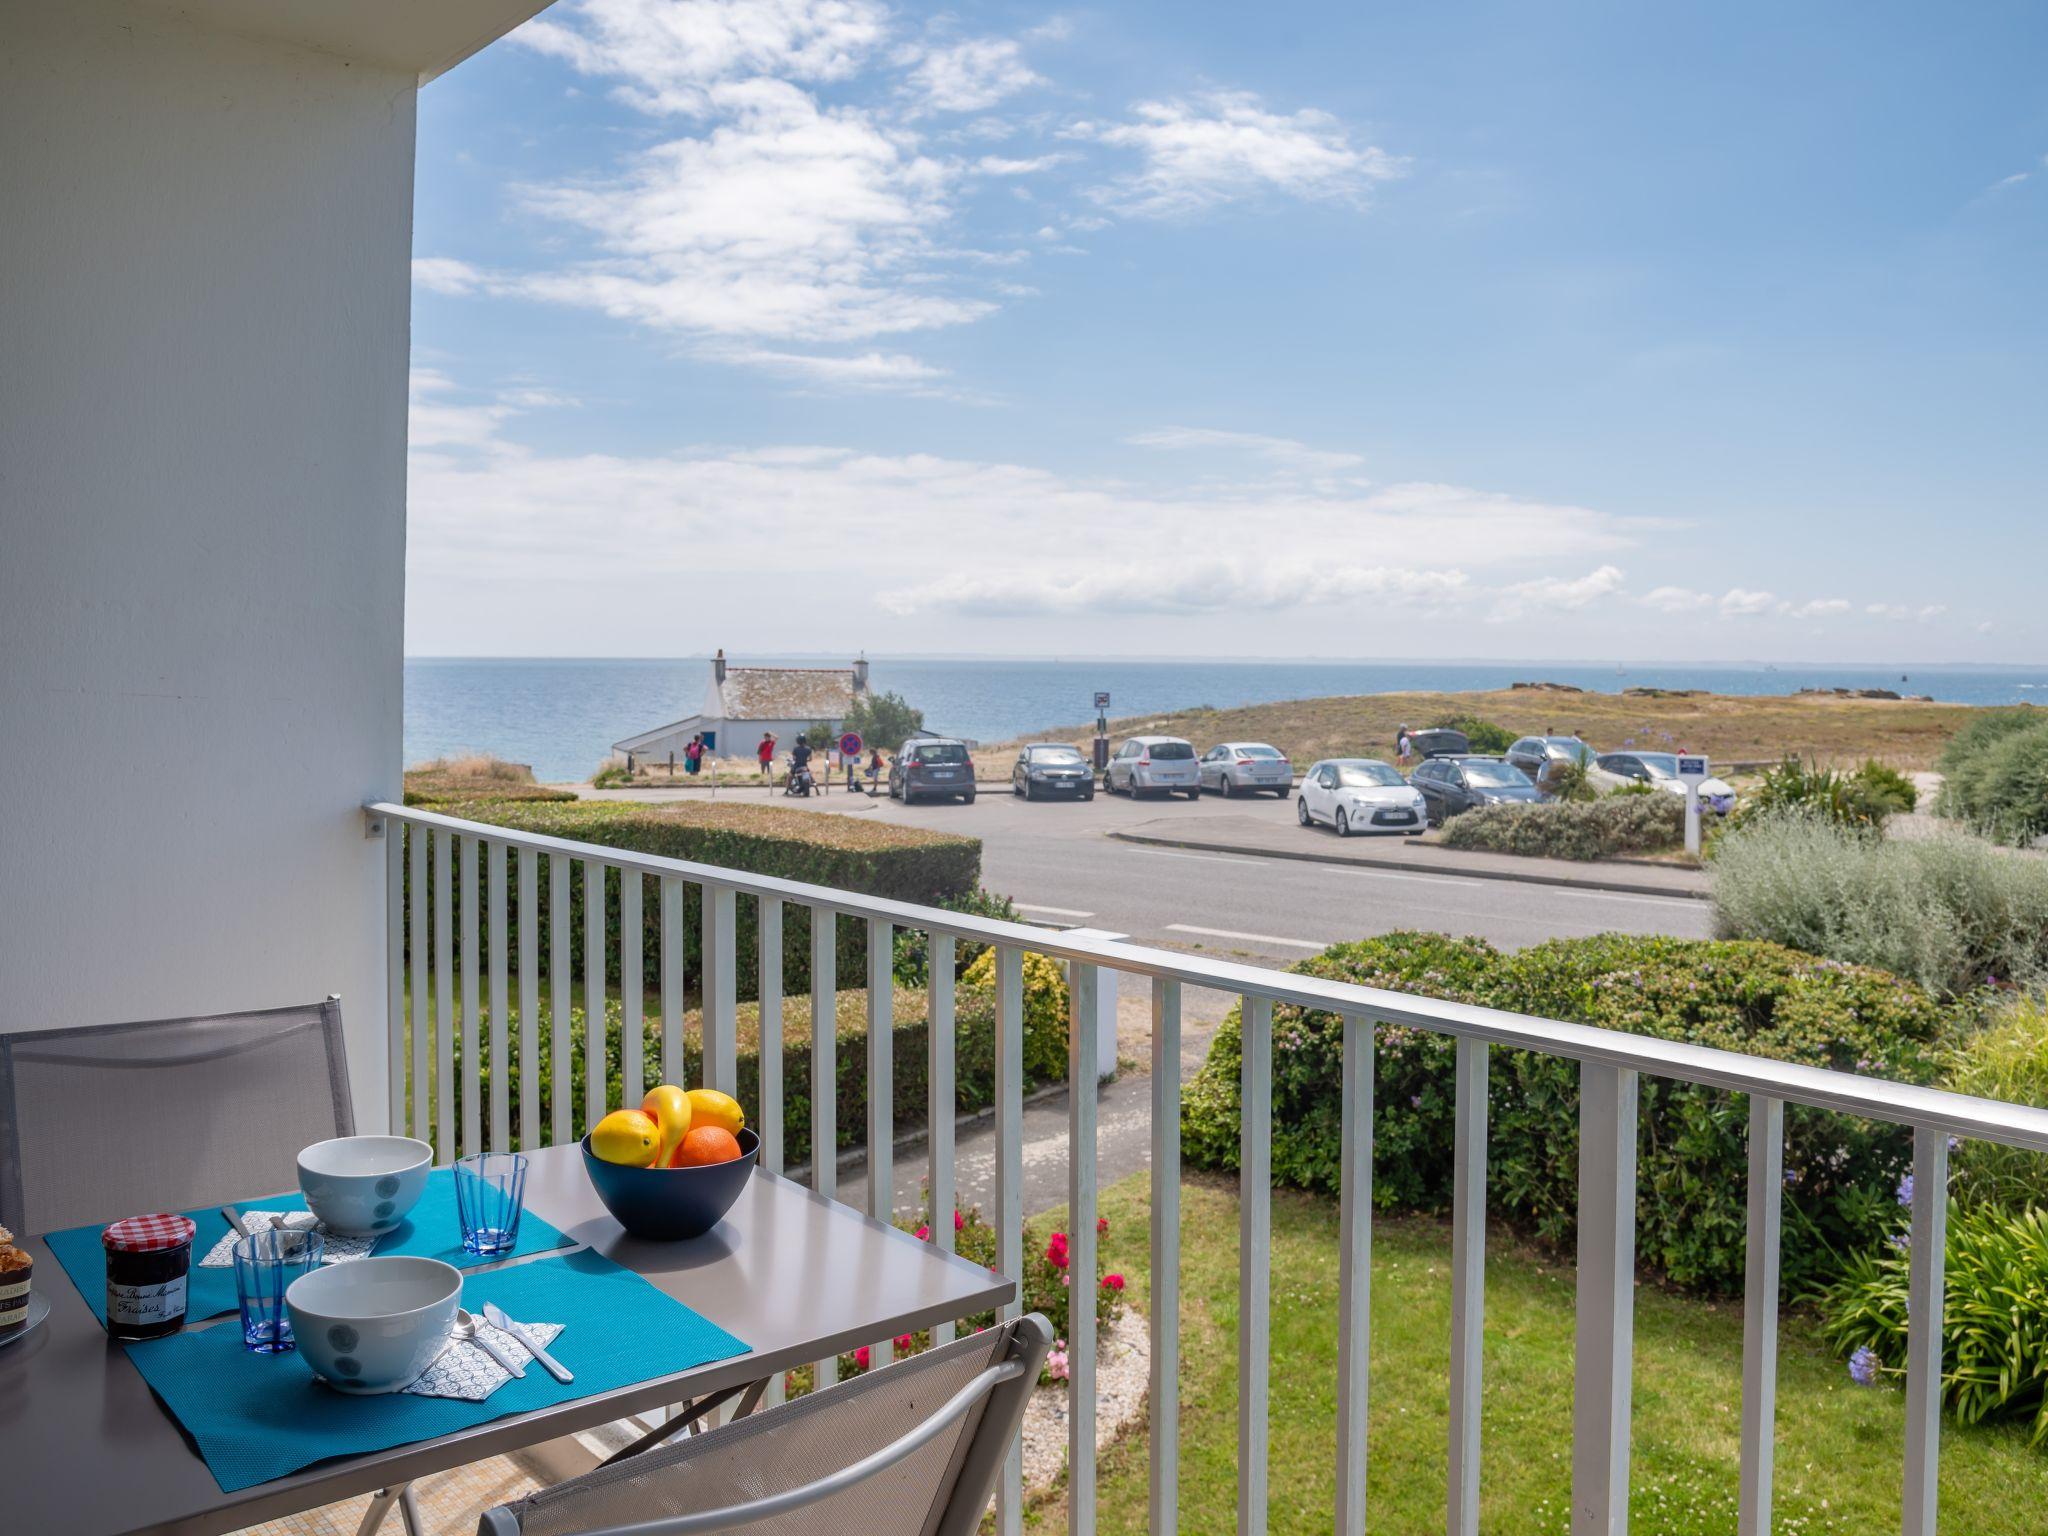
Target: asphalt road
(1058, 863)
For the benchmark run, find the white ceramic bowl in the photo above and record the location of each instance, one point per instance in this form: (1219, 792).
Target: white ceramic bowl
(364, 1185)
(374, 1325)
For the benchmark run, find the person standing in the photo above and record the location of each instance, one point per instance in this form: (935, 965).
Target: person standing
(693, 756)
(874, 771)
(1403, 743)
(766, 753)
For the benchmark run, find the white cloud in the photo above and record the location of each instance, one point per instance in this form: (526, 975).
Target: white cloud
(444, 274)
(1817, 608)
(1198, 152)
(1740, 602)
(1278, 450)
(971, 76)
(998, 165)
(1203, 586)
(669, 51)
(1677, 600)
(868, 368)
(1899, 613)
(1557, 593)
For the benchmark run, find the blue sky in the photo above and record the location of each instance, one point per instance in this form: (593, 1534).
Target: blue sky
(1318, 329)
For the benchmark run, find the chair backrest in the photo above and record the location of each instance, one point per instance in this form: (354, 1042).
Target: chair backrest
(117, 1119)
(912, 1449)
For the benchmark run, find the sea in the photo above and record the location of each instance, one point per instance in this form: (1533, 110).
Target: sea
(561, 715)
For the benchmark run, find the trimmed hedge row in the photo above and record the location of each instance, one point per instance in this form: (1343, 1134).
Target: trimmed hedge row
(874, 859)
(1574, 829)
(1841, 1173)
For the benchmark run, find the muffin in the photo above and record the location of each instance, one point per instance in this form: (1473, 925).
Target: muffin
(16, 1270)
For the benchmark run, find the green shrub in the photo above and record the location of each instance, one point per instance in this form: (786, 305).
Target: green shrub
(1994, 1342)
(1046, 1018)
(841, 852)
(913, 958)
(1997, 776)
(1950, 912)
(1884, 785)
(1484, 735)
(1756, 998)
(1562, 829)
(884, 720)
(610, 776)
(2006, 1060)
(1863, 800)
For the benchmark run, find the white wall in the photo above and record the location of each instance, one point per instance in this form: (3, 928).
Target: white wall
(204, 246)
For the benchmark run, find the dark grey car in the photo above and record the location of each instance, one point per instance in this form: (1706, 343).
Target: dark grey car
(1054, 771)
(1453, 784)
(931, 768)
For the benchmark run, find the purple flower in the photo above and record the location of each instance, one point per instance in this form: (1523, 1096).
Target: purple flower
(1900, 1241)
(1906, 1191)
(1863, 1366)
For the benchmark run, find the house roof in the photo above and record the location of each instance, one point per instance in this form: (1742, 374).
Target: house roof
(691, 723)
(787, 693)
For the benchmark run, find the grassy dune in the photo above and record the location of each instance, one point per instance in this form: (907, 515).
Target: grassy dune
(1904, 732)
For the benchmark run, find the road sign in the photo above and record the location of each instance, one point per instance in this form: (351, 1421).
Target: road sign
(1692, 772)
(850, 744)
(1102, 701)
(1692, 767)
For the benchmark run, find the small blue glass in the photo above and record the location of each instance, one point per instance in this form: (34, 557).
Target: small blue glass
(266, 1263)
(490, 1195)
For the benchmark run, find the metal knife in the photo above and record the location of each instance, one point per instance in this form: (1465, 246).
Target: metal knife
(234, 1220)
(495, 1316)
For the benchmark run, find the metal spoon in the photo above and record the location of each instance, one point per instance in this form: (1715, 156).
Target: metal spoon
(466, 1328)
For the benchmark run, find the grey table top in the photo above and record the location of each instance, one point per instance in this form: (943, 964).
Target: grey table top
(86, 1449)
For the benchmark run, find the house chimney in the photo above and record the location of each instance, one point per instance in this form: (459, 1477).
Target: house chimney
(718, 667)
(860, 674)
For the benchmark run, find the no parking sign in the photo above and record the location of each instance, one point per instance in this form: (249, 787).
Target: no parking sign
(850, 744)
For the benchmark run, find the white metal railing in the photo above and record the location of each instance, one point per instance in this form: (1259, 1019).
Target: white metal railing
(423, 1020)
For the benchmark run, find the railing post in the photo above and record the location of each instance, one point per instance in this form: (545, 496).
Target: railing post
(1165, 1319)
(444, 998)
(419, 976)
(1254, 1269)
(1084, 1074)
(673, 1068)
(1927, 1294)
(768, 944)
(561, 995)
(596, 1023)
(1009, 1219)
(1468, 1285)
(529, 1000)
(395, 835)
(1354, 1307)
(720, 988)
(881, 1088)
(1602, 1369)
(825, 1074)
(940, 1104)
(501, 1002)
(632, 987)
(1760, 1312)
(472, 1059)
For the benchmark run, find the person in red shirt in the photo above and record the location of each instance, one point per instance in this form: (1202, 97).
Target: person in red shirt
(766, 752)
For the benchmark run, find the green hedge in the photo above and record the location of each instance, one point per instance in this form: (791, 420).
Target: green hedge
(874, 859)
(1574, 829)
(1691, 1207)
(1996, 774)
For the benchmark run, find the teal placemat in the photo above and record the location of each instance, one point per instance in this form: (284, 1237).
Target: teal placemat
(431, 1231)
(258, 1417)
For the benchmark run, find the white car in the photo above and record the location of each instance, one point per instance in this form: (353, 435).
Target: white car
(1360, 794)
(1659, 770)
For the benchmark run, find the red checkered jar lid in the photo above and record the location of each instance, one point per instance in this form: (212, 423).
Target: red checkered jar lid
(149, 1234)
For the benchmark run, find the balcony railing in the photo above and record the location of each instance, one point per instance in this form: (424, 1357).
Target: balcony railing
(425, 1024)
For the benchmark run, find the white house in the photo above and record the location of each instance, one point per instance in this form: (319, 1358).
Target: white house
(742, 702)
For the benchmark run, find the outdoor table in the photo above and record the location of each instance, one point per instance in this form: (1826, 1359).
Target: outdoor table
(86, 1450)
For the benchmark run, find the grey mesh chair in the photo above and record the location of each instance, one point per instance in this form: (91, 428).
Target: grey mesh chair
(209, 1109)
(912, 1449)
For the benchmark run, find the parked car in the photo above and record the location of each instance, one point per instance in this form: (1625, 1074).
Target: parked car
(1440, 741)
(1453, 784)
(1542, 758)
(1052, 769)
(1360, 794)
(1146, 763)
(930, 767)
(1249, 766)
(1659, 770)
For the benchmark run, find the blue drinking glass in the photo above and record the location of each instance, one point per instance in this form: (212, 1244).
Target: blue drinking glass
(490, 1194)
(266, 1262)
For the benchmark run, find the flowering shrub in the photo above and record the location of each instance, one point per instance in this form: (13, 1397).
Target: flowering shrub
(1994, 1351)
(2008, 1060)
(1045, 1024)
(1841, 1173)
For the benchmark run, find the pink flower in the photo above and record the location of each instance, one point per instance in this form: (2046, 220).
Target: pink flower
(1112, 1282)
(1101, 1225)
(959, 1221)
(924, 1234)
(1056, 1251)
(1066, 1277)
(860, 1357)
(1056, 1364)
(904, 1341)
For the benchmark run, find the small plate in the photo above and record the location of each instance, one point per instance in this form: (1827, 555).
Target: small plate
(38, 1309)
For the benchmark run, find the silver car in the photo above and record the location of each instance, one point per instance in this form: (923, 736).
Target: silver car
(1146, 763)
(1234, 767)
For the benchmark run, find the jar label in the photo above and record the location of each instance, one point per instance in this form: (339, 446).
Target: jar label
(137, 1306)
(13, 1292)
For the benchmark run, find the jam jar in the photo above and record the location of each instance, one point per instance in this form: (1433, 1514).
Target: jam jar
(148, 1260)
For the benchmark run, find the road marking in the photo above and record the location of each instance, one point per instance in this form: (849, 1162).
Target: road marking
(1465, 882)
(1249, 938)
(1032, 906)
(1205, 858)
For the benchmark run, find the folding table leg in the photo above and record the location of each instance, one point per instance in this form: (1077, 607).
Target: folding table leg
(380, 1506)
(409, 1512)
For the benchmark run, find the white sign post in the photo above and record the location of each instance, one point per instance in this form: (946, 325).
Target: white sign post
(1692, 772)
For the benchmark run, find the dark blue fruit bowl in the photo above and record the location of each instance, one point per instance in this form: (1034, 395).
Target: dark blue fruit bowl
(668, 1204)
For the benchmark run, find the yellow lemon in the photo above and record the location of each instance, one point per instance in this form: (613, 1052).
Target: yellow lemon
(710, 1107)
(627, 1136)
(669, 1107)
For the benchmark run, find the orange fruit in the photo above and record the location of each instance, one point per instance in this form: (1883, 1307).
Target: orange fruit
(705, 1145)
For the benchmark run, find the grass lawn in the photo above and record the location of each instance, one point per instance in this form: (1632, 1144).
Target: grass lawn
(1839, 1446)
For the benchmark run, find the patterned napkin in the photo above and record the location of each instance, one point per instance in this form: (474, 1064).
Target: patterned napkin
(465, 1371)
(339, 1249)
